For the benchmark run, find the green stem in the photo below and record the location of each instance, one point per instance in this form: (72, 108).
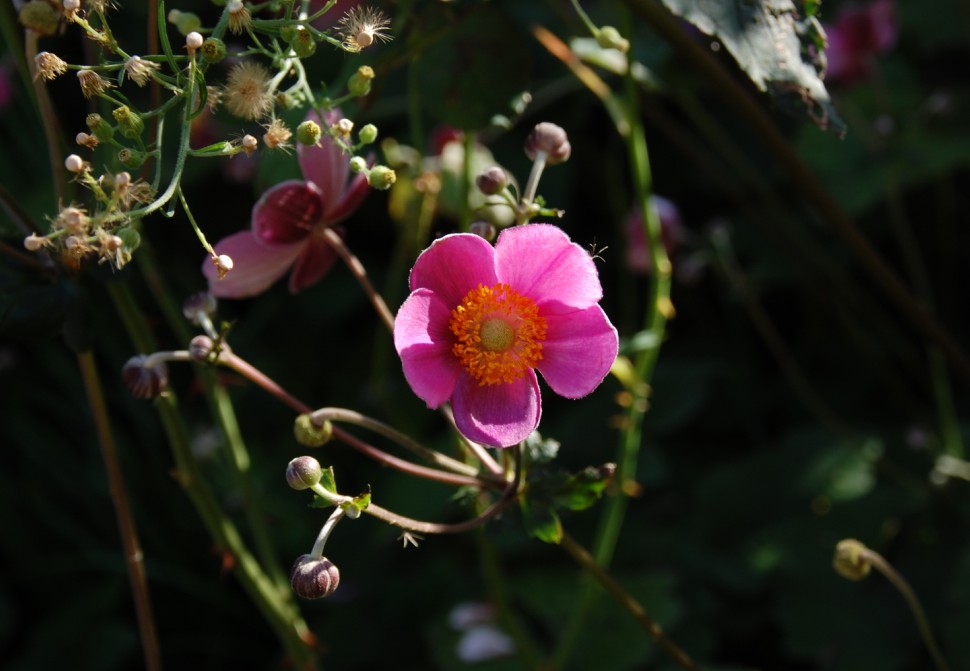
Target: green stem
(631, 605)
(52, 129)
(275, 604)
(134, 557)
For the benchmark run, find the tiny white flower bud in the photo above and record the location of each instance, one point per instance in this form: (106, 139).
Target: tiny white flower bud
(74, 163)
(193, 41)
(223, 264)
(344, 127)
(249, 143)
(34, 242)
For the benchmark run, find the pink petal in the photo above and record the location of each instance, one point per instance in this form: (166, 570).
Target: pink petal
(287, 212)
(579, 349)
(454, 265)
(500, 415)
(539, 261)
(350, 199)
(423, 340)
(256, 265)
(314, 262)
(326, 164)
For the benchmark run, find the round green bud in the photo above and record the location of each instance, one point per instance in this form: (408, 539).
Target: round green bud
(303, 473)
(131, 158)
(367, 134)
(309, 434)
(308, 132)
(288, 33)
(359, 82)
(851, 559)
(101, 128)
(130, 238)
(129, 123)
(303, 44)
(381, 177)
(609, 37)
(213, 50)
(39, 16)
(357, 164)
(184, 22)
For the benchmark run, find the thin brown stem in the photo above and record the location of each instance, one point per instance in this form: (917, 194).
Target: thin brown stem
(357, 268)
(134, 557)
(631, 605)
(899, 582)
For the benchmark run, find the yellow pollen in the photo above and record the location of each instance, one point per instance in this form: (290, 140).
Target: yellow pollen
(499, 334)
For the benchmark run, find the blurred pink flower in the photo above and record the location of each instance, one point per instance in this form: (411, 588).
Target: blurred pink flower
(671, 233)
(480, 319)
(287, 222)
(857, 36)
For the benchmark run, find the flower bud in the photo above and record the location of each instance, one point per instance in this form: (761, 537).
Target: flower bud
(101, 128)
(303, 472)
(851, 560)
(92, 83)
(201, 348)
(74, 163)
(184, 22)
(483, 229)
(360, 82)
(86, 140)
(344, 127)
(549, 139)
(198, 305)
(367, 134)
(313, 578)
(39, 16)
(249, 143)
(309, 434)
(308, 132)
(302, 42)
(492, 181)
(381, 177)
(609, 37)
(223, 264)
(34, 242)
(130, 238)
(213, 50)
(129, 123)
(358, 164)
(193, 42)
(142, 381)
(131, 158)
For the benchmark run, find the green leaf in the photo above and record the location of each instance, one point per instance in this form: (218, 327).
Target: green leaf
(357, 505)
(774, 45)
(328, 481)
(541, 521)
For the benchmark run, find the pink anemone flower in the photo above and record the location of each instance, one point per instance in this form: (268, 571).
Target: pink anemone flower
(480, 319)
(287, 224)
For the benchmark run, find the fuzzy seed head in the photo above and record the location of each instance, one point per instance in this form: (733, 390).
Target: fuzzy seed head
(363, 26)
(239, 17)
(140, 70)
(246, 93)
(92, 83)
(277, 135)
(49, 66)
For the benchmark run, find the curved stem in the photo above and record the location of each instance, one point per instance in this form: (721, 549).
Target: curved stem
(631, 605)
(922, 623)
(352, 417)
(317, 551)
(134, 557)
(357, 268)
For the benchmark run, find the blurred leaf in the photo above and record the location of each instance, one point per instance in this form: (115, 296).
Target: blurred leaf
(771, 42)
(541, 521)
(474, 68)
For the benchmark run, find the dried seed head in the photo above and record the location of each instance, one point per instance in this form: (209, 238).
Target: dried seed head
(277, 135)
(246, 91)
(549, 139)
(50, 66)
(92, 83)
(86, 140)
(74, 220)
(140, 70)
(314, 578)
(240, 19)
(363, 26)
